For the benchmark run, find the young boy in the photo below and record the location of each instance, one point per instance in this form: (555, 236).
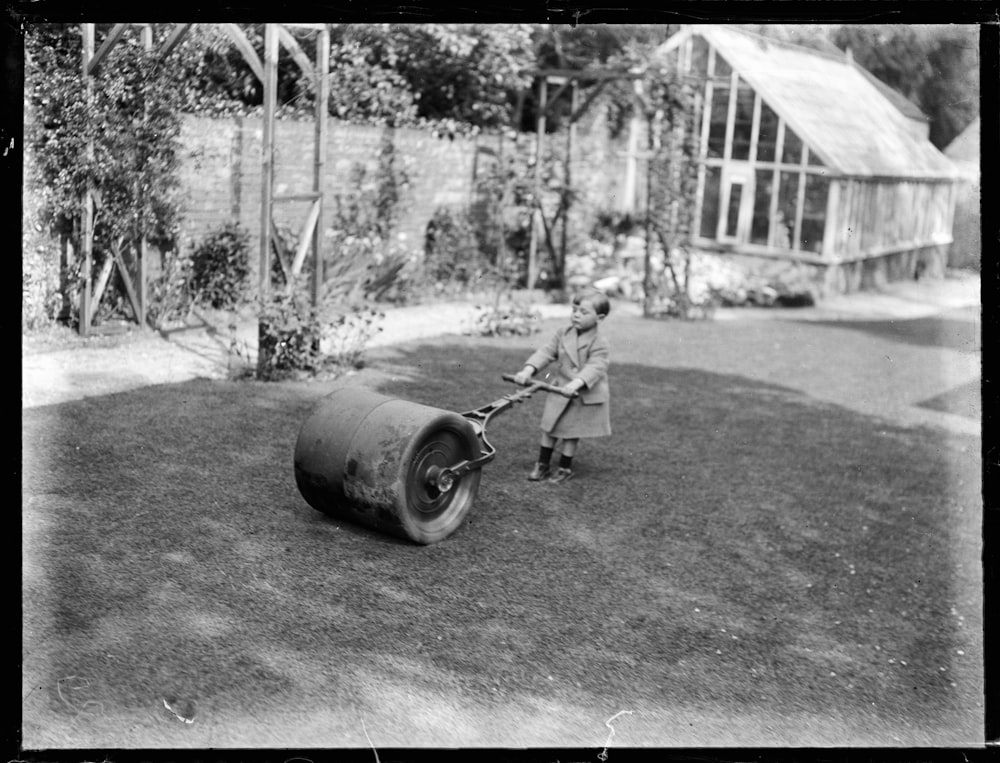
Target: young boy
(582, 357)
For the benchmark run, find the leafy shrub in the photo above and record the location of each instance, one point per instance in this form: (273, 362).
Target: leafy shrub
(296, 337)
(610, 225)
(288, 336)
(451, 251)
(679, 304)
(459, 259)
(365, 267)
(505, 317)
(170, 293)
(357, 267)
(794, 289)
(41, 299)
(345, 339)
(220, 268)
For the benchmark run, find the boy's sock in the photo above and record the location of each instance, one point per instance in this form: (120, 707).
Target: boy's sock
(544, 455)
(565, 462)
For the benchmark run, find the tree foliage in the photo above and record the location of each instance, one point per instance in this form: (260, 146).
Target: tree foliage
(950, 95)
(218, 81)
(466, 75)
(364, 87)
(935, 66)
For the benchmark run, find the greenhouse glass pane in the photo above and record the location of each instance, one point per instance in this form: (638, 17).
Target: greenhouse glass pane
(733, 213)
(717, 123)
(742, 121)
(722, 69)
(767, 136)
(710, 202)
(761, 206)
(699, 56)
(791, 152)
(784, 223)
(814, 213)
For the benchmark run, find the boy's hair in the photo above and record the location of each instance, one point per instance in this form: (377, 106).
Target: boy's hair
(596, 297)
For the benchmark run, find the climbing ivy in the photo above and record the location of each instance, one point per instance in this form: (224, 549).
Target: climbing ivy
(672, 113)
(132, 124)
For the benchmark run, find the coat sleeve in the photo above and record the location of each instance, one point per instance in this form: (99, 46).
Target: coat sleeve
(545, 354)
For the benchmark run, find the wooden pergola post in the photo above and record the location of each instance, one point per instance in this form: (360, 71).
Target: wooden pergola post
(536, 209)
(322, 105)
(143, 264)
(567, 175)
(267, 157)
(87, 223)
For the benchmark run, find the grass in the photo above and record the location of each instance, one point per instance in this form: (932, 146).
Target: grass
(737, 550)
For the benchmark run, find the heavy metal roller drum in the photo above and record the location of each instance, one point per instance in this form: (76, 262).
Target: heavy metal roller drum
(400, 467)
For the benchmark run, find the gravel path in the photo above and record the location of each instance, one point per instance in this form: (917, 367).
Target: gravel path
(139, 359)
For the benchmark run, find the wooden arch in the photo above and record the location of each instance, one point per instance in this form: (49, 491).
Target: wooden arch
(267, 72)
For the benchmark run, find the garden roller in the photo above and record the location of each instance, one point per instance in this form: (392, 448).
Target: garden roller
(397, 466)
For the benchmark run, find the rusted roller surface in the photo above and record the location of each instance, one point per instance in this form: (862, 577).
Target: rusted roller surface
(375, 459)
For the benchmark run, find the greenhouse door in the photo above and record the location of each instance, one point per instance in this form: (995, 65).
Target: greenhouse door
(736, 208)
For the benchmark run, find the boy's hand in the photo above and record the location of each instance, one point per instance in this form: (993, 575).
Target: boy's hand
(572, 387)
(523, 376)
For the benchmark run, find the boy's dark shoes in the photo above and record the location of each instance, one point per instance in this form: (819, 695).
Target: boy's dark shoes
(539, 472)
(562, 475)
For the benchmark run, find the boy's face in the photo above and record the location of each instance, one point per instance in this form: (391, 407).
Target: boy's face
(584, 316)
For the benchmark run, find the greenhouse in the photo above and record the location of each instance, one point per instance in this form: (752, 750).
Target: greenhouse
(807, 158)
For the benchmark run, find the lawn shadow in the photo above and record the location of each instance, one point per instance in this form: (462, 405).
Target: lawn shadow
(957, 330)
(733, 545)
(963, 400)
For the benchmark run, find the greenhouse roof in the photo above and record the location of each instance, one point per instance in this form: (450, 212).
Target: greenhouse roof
(830, 103)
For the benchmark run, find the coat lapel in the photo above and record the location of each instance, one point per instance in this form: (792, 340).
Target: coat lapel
(583, 347)
(569, 341)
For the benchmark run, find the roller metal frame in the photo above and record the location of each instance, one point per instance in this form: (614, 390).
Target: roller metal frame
(267, 72)
(444, 478)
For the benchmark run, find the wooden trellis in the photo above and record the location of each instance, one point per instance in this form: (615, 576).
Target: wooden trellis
(267, 72)
(573, 80)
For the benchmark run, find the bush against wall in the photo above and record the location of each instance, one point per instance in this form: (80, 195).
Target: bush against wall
(297, 338)
(41, 295)
(220, 268)
(41, 299)
(452, 258)
(672, 192)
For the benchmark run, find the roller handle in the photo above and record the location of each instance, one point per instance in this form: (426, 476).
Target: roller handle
(537, 384)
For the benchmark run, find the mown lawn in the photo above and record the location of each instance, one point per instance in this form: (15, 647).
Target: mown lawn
(739, 564)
